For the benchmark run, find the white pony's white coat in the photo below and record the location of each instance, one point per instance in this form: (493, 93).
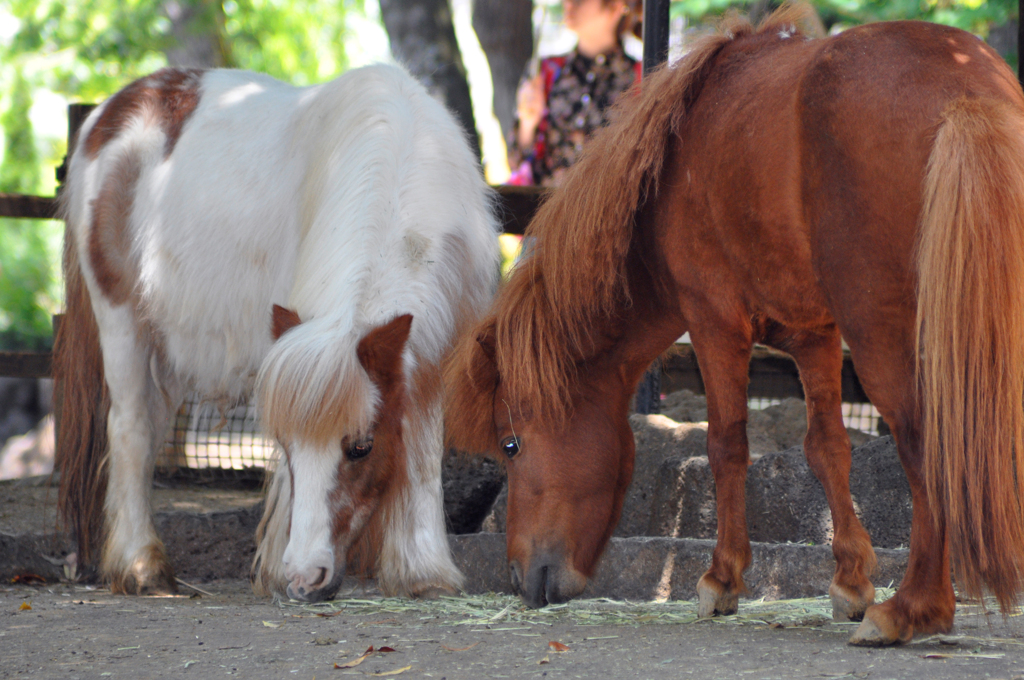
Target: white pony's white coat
(351, 202)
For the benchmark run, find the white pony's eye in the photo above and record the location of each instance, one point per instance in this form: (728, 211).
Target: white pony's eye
(359, 449)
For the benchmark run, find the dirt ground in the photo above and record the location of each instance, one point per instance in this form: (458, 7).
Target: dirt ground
(72, 631)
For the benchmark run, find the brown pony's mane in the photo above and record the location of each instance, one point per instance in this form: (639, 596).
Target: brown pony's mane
(545, 319)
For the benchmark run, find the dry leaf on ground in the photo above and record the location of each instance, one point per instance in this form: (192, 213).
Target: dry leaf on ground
(25, 606)
(29, 579)
(460, 649)
(381, 674)
(556, 646)
(356, 661)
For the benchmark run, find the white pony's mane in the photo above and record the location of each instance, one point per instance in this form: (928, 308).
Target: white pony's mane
(380, 237)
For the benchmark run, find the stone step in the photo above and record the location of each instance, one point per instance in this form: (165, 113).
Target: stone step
(217, 545)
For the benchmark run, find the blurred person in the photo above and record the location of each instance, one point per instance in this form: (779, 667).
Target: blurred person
(568, 98)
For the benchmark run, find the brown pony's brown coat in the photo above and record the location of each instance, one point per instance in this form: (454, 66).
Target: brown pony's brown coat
(778, 278)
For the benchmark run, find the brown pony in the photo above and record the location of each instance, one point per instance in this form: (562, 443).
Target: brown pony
(776, 189)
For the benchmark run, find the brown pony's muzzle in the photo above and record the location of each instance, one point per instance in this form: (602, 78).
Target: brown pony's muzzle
(547, 579)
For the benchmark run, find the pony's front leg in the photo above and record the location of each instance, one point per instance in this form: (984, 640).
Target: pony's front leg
(133, 557)
(415, 557)
(724, 363)
(827, 448)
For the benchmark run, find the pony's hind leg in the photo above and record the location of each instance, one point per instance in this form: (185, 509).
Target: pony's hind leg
(133, 558)
(724, 362)
(925, 601)
(827, 447)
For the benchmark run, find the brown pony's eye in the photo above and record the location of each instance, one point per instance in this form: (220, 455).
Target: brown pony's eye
(359, 449)
(510, 446)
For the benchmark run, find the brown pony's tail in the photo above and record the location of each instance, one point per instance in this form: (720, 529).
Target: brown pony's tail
(83, 403)
(970, 334)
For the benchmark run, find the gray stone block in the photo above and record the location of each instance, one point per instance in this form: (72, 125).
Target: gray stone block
(648, 568)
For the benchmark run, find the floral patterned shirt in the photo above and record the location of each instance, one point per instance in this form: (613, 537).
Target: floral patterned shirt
(579, 91)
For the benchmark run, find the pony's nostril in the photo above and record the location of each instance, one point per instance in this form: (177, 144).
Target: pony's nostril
(320, 579)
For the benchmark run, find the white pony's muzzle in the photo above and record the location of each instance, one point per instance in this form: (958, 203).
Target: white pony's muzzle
(314, 578)
(309, 560)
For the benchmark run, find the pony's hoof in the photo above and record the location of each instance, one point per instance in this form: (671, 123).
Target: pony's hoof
(713, 598)
(150, 574)
(849, 605)
(878, 630)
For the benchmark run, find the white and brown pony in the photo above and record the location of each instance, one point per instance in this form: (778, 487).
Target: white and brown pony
(323, 244)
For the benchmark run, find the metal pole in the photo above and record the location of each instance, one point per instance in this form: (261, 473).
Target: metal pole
(656, 33)
(648, 393)
(1020, 41)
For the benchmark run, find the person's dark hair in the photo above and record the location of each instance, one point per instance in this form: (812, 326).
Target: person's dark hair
(632, 18)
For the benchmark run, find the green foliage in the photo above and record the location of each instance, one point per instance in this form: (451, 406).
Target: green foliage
(977, 16)
(26, 276)
(19, 170)
(303, 42)
(88, 49)
(28, 291)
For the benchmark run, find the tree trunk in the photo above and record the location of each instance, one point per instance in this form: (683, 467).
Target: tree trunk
(505, 31)
(197, 29)
(423, 39)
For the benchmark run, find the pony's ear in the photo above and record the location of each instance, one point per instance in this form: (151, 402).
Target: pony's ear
(380, 350)
(284, 320)
(471, 378)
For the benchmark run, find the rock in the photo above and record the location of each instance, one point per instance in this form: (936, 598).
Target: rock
(881, 493)
(644, 568)
(470, 483)
(661, 443)
(683, 503)
(774, 428)
(494, 523)
(777, 427)
(785, 501)
(685, 407)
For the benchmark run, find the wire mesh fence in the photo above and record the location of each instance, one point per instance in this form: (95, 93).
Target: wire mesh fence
(204, 438)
